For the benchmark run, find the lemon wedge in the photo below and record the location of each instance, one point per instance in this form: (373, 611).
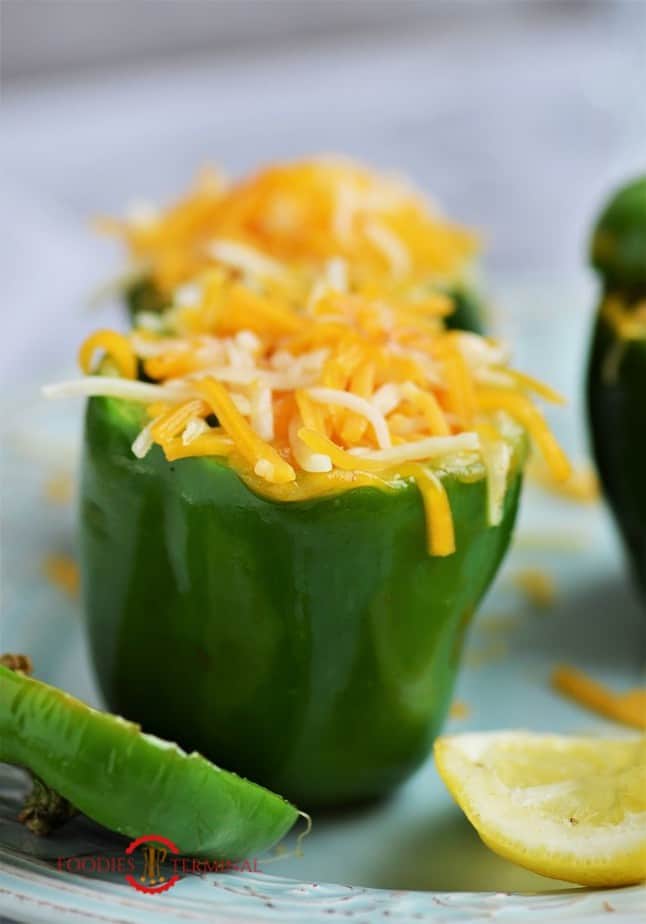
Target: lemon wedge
(565, 807)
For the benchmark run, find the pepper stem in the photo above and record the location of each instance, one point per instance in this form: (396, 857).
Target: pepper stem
(44, 809)
(17, 662)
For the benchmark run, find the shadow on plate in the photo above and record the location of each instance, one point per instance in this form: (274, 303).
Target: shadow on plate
(448, 855)
(597, 623)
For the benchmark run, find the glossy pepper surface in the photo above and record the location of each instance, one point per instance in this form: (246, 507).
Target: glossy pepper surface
(311, 645)
(134, 783)
(616, 380)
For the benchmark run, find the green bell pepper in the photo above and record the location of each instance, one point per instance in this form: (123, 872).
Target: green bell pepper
(618, 247)
(128, 781)
(616, 375)
(311, 645)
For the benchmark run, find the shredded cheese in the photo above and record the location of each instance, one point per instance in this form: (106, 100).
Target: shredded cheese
(390, 246)
(194, 428)
(531, 384)
(262, 412)
(336, 272)
(339, 456)
(59, 488)
(433, 447)
(497, 457)
(429, 405)
(307, 313)
(581, 487)
(386, 398)
(528, 416)
(628, 708)
(337, 398)
(143, 442)
(309, 461)
(301, 216)
(208, 444)
(459, 710)
(538, 586)
(439, 522)
(97, 386)
(460, 399)
(115, 345)
(245, 258)
(63, 572)
(172, 423)
(629, 323)
(259, 453)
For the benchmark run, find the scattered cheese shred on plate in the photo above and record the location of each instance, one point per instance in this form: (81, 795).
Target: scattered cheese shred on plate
(628, 708)
(538, 586)
(59, 488)
(63, 572)
(459, 710)
(582, 486)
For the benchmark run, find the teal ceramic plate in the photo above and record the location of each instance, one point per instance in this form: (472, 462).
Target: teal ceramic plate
(414, 857)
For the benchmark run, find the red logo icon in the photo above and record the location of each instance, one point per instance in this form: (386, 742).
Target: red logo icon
(152, 851)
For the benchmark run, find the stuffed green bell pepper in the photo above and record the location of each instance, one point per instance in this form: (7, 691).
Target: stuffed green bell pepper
(282, 544)
(309, 644)
(616, 380)
(298, 482)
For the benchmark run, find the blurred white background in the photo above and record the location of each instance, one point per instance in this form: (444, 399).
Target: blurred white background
(516, 116)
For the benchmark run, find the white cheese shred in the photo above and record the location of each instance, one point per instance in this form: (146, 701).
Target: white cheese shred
(114, 387)
(245, 259)
(432, 447)
(143, 442)
(193, 429)
(309, 461)
(262, 412)
(357, 404)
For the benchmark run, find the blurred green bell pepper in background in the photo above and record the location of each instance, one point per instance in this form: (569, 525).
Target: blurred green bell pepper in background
(311, 645)
(616, 378)
(469, 313)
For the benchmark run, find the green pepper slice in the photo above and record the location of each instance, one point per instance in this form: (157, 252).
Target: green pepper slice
(131, 782)
(616, 374)
(311, 645)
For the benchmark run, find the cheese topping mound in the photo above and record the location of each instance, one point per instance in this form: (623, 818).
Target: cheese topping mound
(343, 391)
(289, 222)
(304, 341)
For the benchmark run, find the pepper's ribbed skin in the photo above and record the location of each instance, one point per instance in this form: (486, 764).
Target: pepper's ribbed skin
(134, 783)
(616, 377)
(310, 645)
